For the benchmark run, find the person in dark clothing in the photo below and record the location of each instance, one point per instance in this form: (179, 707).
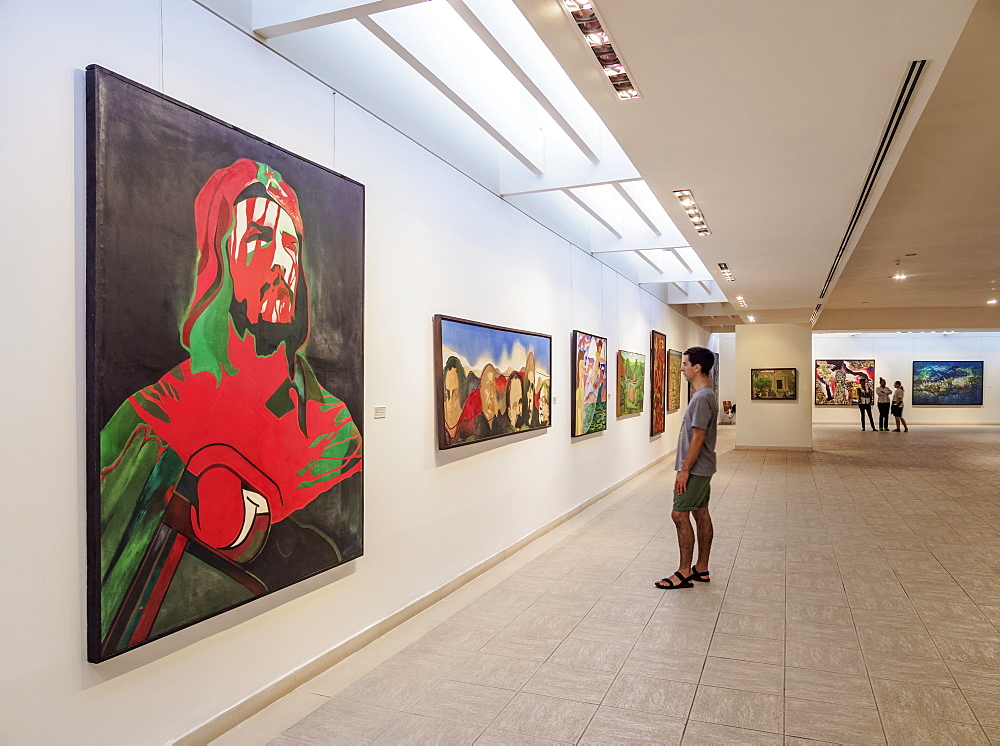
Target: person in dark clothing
(883, 395)
(865, 402)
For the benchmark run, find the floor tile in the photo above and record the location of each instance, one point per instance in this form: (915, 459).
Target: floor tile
(742, 709)
(458, 636)
(917, 670)
(496, 671)
(750, 626)
(824, 658)
(730, 673)
(660, 696)
(604, 630)
(665, 664)
(809, 633)
(822, 721)
(342, 722)
(494, 737)
(417, 730)
(602, 656)
(613, 726)
(390, 688)
(904, 730)
(826, 686)
(676, 637)
(467, 703)
(976, 676)
(709, 734)
(545, 717)
(756, 649)
(565, 682)
(514, 645)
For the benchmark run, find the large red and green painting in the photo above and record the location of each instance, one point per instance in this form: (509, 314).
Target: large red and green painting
(225, 366)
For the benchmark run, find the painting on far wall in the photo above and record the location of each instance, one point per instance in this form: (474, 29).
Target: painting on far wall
(773, 383)
(674, 380)
(490, 381)
(658, 383)
(837, 381)
(631, 382)
(590, 383)
(225, 366)
(947, 383)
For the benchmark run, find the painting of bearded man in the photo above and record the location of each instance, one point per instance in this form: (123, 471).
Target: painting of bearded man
(236, 470)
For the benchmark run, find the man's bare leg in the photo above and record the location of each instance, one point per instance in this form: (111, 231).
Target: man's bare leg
(685, 539)
(703, 520)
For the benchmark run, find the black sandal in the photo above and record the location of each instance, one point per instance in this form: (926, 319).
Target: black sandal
(699, 576)
(685, 582)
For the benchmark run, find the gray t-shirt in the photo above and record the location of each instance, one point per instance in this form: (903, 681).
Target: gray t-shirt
(703, 413)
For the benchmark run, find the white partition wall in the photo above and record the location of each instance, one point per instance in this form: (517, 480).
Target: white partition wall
(436, 242)
(894, 353)
(773, 423)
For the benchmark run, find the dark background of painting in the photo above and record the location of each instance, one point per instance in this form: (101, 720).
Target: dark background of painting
(153, 158)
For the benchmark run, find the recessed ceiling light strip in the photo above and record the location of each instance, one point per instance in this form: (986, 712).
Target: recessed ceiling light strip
(690, 206)
(895, 117)
(726, 272)
(590, 26)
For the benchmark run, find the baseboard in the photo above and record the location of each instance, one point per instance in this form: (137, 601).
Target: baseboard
(773, 448)
(270, 693)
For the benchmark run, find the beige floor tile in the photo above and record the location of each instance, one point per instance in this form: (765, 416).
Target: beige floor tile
(545, 717)
(417, 730)
(909, 643)
(750, 626)
(976, 676)
(809, 633)
(467, 703)
(342, 722)
(664, 664)
(905, 730)
(542, 623)
(604, 630)
(917, 670)
(390, 688)
(742, 709)
(824, 658)
(729, 673)
(514, 645)
(986, 707)
(564, 605)
(614, 726)
(579, 589)
(494, 737)
(565, 682)
(660, 696)
(676, 637)
(246, 737)
(755, 649)
(753, 607)
(983, 652)
(818, 614)
(826, 686)
(975, 629)
(601, 656)
(818, 597)
(822, 721)
(458, 636)
(497, 671)
(708, 734)
(427, 659)
(529, 583)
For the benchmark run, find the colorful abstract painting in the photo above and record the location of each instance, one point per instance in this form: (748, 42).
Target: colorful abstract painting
(658, 383)
(590, 383)
(947, 383)
(837, 380)
(773, 383)
(631, 382)
(491, 381)
(225, 366)
(674, 359)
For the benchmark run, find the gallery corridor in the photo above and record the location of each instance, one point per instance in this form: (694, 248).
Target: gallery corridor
(855, 598)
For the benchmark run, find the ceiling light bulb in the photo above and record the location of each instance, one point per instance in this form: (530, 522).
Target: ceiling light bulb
(597, 39)
(687, 202)
(992, 302)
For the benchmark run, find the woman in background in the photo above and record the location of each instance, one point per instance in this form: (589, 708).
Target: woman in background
(884, 394)
(897, 407)
(865, 401)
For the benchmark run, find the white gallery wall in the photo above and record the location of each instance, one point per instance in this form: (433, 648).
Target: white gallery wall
(435, 243)
(894, 354)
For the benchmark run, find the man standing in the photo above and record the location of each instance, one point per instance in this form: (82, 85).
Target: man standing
(695, 466)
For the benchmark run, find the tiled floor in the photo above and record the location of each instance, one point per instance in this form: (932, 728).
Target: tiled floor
(855, 598)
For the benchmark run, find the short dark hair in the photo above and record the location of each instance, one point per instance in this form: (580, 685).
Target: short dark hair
(701, 356)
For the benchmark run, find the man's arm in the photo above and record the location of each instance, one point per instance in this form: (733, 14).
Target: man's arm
(697, 441)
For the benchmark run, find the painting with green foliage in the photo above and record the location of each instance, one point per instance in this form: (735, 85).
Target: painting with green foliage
(631, 382)
(773, 383)
(947, 383)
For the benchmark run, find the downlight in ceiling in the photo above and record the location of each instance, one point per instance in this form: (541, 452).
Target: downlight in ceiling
(590, 26)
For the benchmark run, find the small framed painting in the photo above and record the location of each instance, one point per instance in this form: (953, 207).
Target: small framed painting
(631, 382)
(773, 383)
(590, 383)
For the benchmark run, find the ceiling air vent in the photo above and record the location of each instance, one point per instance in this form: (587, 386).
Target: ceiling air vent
(892, 124)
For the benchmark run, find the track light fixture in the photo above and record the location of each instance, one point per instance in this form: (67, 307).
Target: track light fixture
(726, 272)
(585, 15)
(690, 206)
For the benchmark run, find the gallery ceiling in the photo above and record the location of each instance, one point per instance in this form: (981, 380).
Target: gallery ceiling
(770, 113)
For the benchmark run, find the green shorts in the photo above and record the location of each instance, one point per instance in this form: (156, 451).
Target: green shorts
(699, 489)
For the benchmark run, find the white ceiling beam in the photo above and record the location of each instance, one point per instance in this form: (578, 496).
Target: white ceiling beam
(648, 261)
(336, 16)
(473, 22)
(652, 248)
(705, 286)
(678, 286)
(586, 208)
(404, 54)
(638, 210)
(679, 258)
(569, 186)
